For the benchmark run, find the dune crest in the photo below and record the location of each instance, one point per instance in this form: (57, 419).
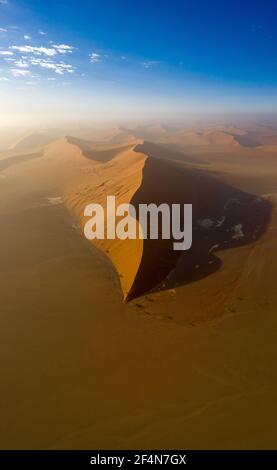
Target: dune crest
(223, 216)
(74, 171)
(121, 176)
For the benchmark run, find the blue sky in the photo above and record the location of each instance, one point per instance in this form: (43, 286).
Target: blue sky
(150, 57)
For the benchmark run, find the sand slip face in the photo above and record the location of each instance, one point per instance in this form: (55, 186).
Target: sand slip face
(120, 176)
(78, 175)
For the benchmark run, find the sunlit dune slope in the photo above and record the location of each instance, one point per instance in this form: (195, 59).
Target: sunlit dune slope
(119, 176)
(78, 175)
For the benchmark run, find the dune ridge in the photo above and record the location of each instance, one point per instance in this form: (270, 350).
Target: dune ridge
(223, 216)
(120, 176)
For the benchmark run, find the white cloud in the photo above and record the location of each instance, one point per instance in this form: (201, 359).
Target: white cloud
(4, 79)
(35, 50)
(6, 53)
(27, 37)
(47, 65)
(42, 33)
(27, 56)
(3, 2)
(94, 57)
(58, 67)
(19, 73)
(3, 30)
(150, 63)
(20, 63)
(48, 51)
(63, 48)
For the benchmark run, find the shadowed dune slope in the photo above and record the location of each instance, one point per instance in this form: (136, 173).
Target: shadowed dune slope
(189, 137)
(31, 141)
(100, 155)
(167, 152)
(14, 160)
(255, 139)
(223, 217)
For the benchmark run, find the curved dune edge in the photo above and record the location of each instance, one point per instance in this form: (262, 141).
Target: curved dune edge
(140, 174)
(79, 181)
(131, 174)
(135, 174)
(64, 173)
(121, 176)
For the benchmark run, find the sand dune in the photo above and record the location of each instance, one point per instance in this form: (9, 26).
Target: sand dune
(13, 160)
(129, 173)
(189, 137)
(120, 176)
(101, 153)
(255, 139)
(31, 141)
(105, 135)
(67, 172)
(223, 217)
(203, 337)
(74, 170)
(220, 137)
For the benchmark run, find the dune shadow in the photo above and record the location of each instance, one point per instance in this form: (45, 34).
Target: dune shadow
(249, 139)
(10, 161)
(169, 152)
(223, 217)
(99, 155)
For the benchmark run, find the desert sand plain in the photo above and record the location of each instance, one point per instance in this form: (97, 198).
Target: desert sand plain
(123, 344)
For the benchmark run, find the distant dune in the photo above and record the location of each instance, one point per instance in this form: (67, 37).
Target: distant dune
(32, 141)
(220, 138)
(255, 139)
(189, 137)
(107, 135)
(13, 160)
(103, 154)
